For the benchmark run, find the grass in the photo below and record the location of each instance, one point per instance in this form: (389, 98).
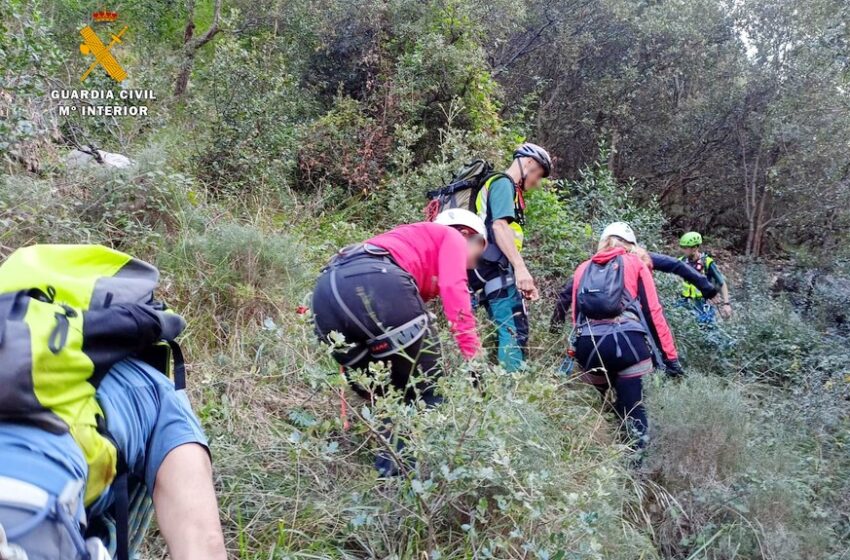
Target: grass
(747, 459)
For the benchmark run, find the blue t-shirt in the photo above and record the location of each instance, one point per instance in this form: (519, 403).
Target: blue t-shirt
(145, 415)
(501, 200)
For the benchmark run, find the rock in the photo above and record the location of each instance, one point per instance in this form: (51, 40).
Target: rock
(816, 292)
(78, 158)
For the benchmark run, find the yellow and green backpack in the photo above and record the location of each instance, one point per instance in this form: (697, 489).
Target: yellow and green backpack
(68, 313)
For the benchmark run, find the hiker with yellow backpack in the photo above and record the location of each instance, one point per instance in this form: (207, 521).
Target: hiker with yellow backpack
(92, 430)
(692, 298)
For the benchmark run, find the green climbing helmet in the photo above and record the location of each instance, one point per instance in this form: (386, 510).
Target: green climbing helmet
(691, 239)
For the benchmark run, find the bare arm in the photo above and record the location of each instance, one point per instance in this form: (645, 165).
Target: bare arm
(505, 240)
(725, 307)
(186, 507)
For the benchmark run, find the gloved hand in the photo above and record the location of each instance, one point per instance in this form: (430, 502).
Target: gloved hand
(673, 368)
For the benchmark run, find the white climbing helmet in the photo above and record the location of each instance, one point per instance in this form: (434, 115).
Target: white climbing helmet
(463, 218)
(619, 229)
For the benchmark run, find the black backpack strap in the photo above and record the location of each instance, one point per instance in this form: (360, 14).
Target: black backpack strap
(492, 178)
(179, 365)
(652, 333)
(7, 303)
(121, 511)
(492, 247)
(121, 492)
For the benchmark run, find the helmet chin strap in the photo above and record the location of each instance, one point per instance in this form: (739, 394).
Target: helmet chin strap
(522, 173)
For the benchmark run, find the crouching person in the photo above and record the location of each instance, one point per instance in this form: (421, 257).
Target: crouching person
(91, 429)
(374, 295)
(621, 331)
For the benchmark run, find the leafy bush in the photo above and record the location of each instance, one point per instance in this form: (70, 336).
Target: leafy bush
(512, 469)
(703, 435)
(739, 481)
(598, 198)
(233, 275)
(557, 241)
(767, 340)
(29, 57)
(345, 148)
(250, 145)
(403, 198)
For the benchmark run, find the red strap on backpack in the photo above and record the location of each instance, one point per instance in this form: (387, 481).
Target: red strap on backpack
(431, 210)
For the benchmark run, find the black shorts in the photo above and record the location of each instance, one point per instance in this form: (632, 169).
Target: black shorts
(614, 353)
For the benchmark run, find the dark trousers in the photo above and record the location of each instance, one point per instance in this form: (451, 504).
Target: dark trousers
(616, 355)
(379, 296)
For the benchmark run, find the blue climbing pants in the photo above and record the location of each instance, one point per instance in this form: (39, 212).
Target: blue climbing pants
(507, 311)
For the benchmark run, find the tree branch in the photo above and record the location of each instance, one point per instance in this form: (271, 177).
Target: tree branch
(192, 43)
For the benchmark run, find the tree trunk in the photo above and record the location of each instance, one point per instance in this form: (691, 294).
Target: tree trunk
(612, 156)
(759, 225)
(191, 44)
(755, 196)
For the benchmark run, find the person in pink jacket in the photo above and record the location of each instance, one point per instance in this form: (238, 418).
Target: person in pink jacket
(374, 295)
(621, 333)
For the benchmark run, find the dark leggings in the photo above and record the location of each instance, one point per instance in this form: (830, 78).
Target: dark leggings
(629, 407)
(381, 296)
(604, 354)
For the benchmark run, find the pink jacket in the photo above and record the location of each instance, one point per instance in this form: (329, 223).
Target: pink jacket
(639, 283)
(435, 255)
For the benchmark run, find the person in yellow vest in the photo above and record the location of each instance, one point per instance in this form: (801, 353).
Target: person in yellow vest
(702, 262)
(502, 278)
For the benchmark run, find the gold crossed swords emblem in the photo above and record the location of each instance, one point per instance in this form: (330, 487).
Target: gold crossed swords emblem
(94, 46)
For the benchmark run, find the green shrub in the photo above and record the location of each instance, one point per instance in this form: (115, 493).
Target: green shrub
(403, 198)
(556, 240)
(742, 477)
(346, 148)
(29, 59)
(702, 432)
(234, 275)
(249, 144)
(128, 209)
(766, 340)
(598, 198)
(518, 468)
(32, 211)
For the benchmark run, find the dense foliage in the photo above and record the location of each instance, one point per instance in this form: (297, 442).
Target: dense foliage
(305, 126)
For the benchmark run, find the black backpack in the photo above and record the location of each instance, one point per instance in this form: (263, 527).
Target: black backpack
(461, 191)
(602, 293)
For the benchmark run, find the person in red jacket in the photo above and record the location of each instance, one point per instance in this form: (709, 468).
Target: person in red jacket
(620, 325)
(374, 295)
